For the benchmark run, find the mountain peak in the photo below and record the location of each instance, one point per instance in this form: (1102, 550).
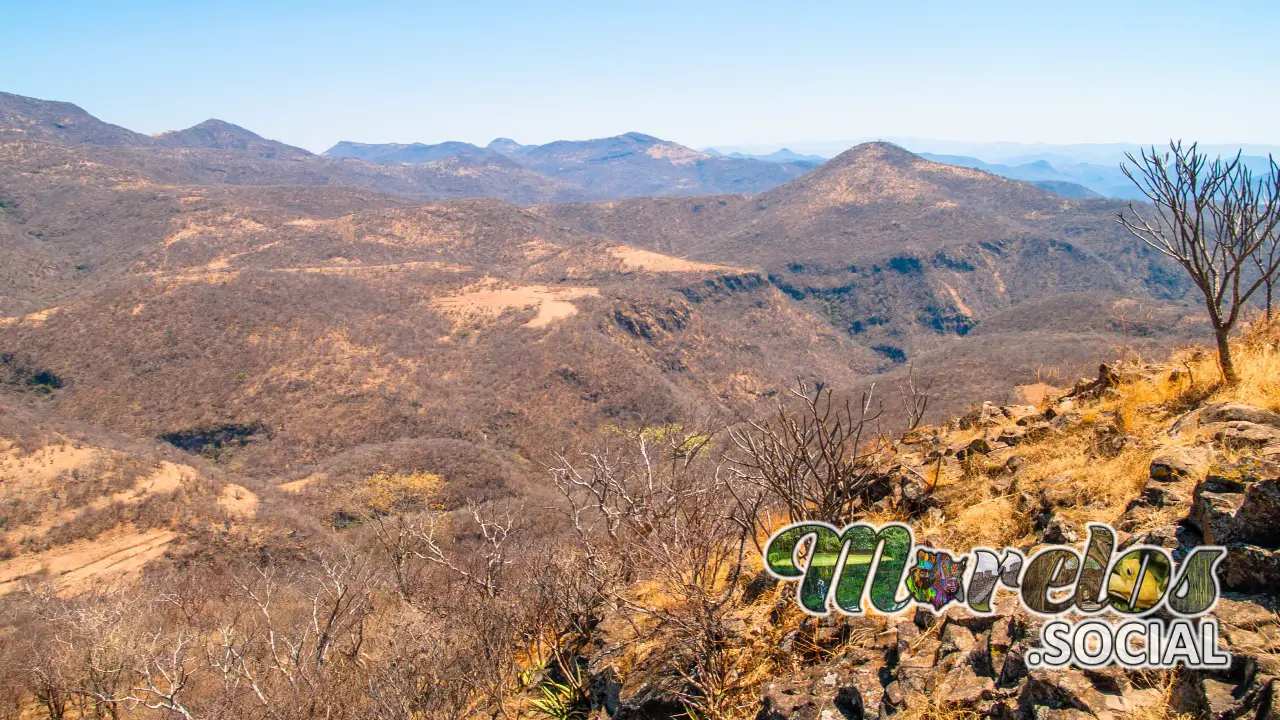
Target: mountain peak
(26, 118)
(642, 138)
(214, 134)
(877, 151)
(506, 146)
(214, 124)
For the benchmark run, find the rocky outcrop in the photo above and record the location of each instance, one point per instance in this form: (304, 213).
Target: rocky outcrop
(1211, 480)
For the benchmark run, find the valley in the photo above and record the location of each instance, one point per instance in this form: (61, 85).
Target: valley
(237, 371)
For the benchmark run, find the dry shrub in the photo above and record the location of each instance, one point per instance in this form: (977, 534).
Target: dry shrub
(385, 491)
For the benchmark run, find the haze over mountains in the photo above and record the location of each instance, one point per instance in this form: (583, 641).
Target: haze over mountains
(626, 165)
(1074, 171)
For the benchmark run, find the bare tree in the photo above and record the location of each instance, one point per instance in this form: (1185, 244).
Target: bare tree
(659, 507)
(291, 641)
(1269, 258)
(814, 458)
(915, 397)
(1215, 220)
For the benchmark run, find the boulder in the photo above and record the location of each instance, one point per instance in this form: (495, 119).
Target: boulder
(1258, 519)
(1020, 413)
(1059, 532)
(1162, 496)
(1173, 464)
(1247, 612)
(1250, 569)
(1067, 690)
(1238, 434)
(819, 693)
(1236, 476)
(962, 687)
(1058, 491)
(1011, 434)
(1233, 411)
(991, 415)
(1224, 698)
(1213, 514)
(1230, 507)
(1066, 420)
(603, 690)
(653, 701)
(978, 446)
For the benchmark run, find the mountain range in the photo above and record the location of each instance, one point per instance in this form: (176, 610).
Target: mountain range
(209, 281)
(1073, 171)
(783, 155)
(623, 166)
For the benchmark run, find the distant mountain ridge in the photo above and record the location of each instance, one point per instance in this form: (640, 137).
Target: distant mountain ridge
(1071, 179)
(783, 155)
(628, 165)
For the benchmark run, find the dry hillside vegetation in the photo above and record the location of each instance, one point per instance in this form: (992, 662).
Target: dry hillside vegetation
(284, 436)
(329, 318)
(78, 509)
(643, 595)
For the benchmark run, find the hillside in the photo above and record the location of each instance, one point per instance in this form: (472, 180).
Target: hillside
(175, 294)
(627, 624)
(333, 318)
(336, 318)
(904, 254)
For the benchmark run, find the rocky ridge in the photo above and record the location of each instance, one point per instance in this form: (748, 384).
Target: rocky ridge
(1213, 477)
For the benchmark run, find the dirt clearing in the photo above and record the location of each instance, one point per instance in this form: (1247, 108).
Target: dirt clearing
(634, 259)
(488, 299)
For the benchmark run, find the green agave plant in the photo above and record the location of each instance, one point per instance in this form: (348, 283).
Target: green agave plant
(560, 700)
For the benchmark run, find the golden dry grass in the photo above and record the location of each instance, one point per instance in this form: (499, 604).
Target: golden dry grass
(1091, 485)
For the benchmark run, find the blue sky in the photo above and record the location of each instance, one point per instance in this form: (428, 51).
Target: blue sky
(700, 73)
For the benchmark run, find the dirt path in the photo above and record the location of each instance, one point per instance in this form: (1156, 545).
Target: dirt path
(75, 567)
(297, 486)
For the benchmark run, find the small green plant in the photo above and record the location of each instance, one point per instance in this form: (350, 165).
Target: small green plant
(562, 700)
(559, 700)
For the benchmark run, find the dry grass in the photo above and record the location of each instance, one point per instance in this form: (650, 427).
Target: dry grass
(937, 709)
(1089, 483)
(1163, 710)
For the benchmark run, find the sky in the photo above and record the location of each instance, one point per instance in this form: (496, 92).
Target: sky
(703, 74)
